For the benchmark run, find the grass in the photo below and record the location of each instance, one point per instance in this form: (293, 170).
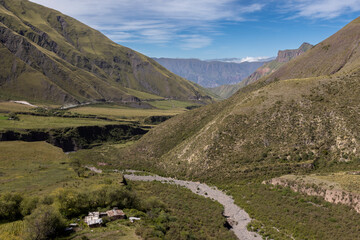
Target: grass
(30, 167)
(36, 122)
(39, 169)
(196, 217)
(171, 104)
(14, 107)
(345, 181)
(12, 230)
(126, 113)
(116, 230)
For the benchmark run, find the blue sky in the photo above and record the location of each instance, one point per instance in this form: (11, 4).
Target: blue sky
(210, 29)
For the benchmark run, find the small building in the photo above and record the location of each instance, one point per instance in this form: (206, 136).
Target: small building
(133, 219)
(93, 219)
(116, 214)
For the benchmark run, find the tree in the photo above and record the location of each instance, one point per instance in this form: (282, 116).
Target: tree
(45, 222)
(10, 206)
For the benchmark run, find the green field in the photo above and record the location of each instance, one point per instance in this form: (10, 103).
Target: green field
(39, 122)
(32, 166)
(128, 113)
(172, 104)
(39, 171)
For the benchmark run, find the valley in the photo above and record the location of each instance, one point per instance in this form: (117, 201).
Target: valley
(278, 158)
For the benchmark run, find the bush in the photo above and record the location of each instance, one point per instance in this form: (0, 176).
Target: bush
(13, 116)
(28, 205)
(10, 207)
(73, 203)
(44, 223)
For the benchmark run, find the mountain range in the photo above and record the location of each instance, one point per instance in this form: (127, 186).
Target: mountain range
(269, 67)
(210, 73)
(48, 56)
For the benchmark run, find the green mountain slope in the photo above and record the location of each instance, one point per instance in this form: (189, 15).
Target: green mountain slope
(270, 126)
(47, 56)
(283, 57)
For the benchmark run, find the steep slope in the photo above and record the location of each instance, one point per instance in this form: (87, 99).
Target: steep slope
(47, 56)
(279, 124)
(283, 57)
(209, 73)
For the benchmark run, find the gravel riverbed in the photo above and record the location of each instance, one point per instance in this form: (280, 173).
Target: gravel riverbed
(236, 217)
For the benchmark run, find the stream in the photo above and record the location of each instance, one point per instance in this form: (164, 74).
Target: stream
(237, 218)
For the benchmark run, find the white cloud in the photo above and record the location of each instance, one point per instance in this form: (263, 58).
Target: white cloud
(156, 21)
(254, 59)
(322, 9)
(195, 41)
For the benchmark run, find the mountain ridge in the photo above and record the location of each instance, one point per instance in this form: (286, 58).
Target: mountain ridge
(283, 56)
(209, 73)
(59, 59)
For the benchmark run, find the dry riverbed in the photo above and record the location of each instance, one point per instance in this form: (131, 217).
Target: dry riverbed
(236, 217)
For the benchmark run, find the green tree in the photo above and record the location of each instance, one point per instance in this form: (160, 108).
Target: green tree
(44, 223)
(28, 205)
(10, 206)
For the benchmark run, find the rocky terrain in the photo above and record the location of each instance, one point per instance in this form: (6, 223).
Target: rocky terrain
(330, 195)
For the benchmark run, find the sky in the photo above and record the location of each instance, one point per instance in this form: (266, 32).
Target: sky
(211, 29)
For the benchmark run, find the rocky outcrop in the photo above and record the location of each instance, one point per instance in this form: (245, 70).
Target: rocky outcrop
(286, 55)
(330, 195)
(283, 56)
(75, 138)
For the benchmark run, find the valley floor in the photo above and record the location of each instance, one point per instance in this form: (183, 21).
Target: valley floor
(238, 219)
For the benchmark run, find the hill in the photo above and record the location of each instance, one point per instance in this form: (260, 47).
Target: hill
(283, 57)
(309, 106)
(209, 73)
(48, 56)
(303, 118)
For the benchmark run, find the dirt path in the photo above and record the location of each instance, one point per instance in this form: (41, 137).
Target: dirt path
(237, 217)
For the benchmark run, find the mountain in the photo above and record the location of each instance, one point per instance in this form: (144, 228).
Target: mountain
(283, 56)
(305, 115)
(209, 73)
(48, 56)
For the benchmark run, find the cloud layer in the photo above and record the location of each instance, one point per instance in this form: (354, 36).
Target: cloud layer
(322, 9)
(187, 22)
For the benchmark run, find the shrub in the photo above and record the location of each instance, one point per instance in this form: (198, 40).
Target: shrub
(44, 223)
(28, 205)
(10, 206)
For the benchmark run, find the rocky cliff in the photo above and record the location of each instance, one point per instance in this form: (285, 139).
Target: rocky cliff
(267, 68)
(330, 195)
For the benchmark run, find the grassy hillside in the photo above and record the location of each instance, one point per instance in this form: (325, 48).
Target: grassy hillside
(294, 121)
(48, 56)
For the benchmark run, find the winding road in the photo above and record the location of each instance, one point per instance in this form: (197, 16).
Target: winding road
(237, 217)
